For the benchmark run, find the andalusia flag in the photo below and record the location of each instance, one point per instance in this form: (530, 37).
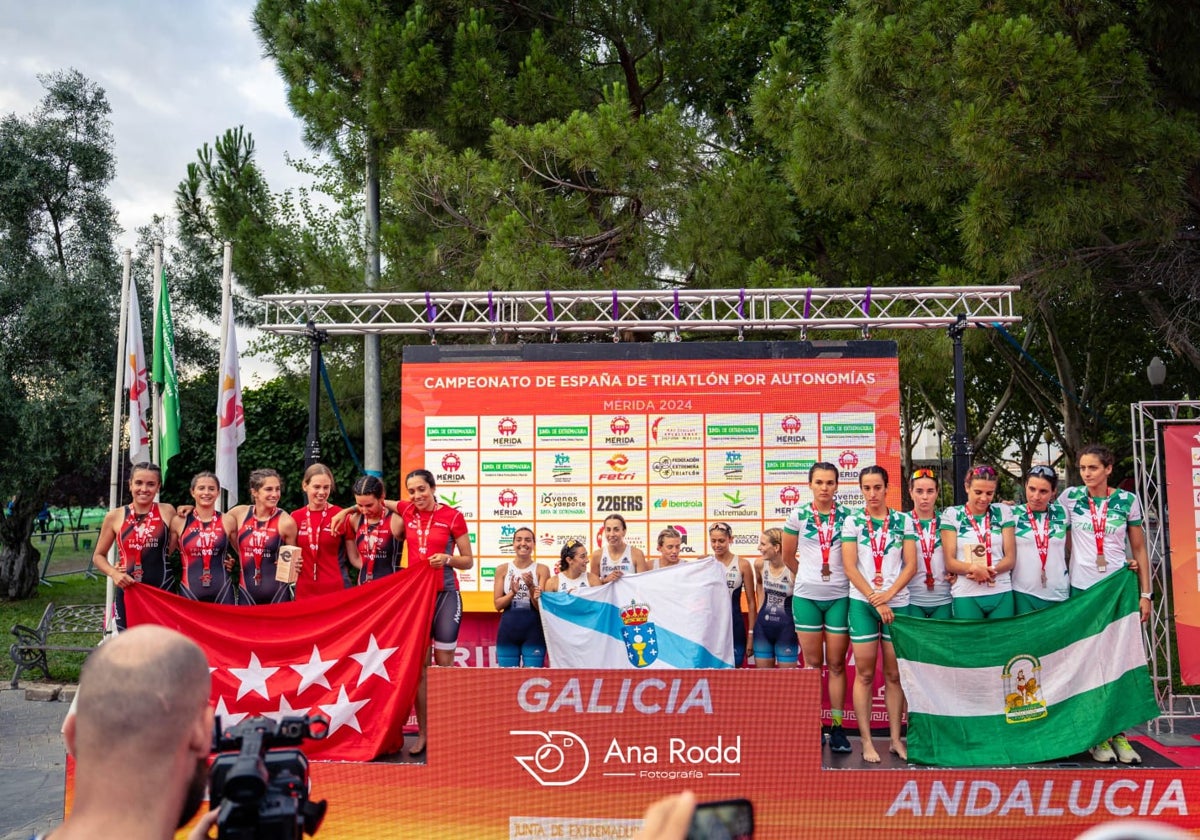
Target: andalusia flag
(1031, 688)
(164, 375)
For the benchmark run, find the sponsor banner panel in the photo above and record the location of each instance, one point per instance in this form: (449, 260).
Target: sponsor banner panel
(661, 441)
(1182, 460)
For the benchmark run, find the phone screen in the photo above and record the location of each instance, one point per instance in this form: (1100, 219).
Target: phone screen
(732, 819)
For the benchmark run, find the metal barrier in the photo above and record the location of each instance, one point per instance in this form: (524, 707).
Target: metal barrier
(85, 539)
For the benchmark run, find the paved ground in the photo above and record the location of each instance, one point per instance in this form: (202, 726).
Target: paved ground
(32, 764)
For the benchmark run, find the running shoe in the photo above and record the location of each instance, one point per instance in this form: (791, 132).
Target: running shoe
(1126, 754)
(1103, 752)
(838, 742)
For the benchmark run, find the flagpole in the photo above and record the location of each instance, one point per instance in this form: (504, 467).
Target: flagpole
(226, 316)
(118, 388)
(155, 393)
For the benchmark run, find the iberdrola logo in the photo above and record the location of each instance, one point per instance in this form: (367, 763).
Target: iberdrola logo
(640, 634)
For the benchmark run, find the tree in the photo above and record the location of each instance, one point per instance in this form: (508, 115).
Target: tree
(58, 292)
(1031, 143)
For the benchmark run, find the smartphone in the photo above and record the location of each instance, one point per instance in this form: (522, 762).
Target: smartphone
(730, 819)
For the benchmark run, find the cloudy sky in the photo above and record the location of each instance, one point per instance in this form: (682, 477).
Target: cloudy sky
(177, 74)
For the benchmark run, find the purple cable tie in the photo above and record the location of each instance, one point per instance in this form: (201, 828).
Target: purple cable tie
(430, 309)
(549, 307)
(866, 304)
(807, 302)
(742, 304)
(491, 308)
(677, 304)
(616, 310)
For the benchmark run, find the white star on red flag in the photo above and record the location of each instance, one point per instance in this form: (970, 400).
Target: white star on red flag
(228, 719)
(372, 660)
(344, 712)
(285, 710)
(313, 671)
(253, 678)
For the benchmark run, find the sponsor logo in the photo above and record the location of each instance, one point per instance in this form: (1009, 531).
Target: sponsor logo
(790, 424)
(683, 543)
(619, 426)
(677, 466)
(790, 496)
(677, 504)
(505, 467)
(562, 467)
(505, 543)
(734, 500)
(450, 431)
(734, 468)
(451, 462)
(732, 430)
(546, 538)
(558, 757)
(550, 503)
(619, 464)
(640, 635)
(619, 504)
(673, 434)
(452, 499)
(507, 498)
(848, 460)
(562, 431)
(772, 465)
(842, 429)
(1022, 683)
(507, 426)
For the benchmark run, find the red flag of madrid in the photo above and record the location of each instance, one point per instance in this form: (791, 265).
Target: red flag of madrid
(354, 656)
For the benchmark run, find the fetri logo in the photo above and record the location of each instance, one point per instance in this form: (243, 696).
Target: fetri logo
(451, 462)
(789, 496)
(848, 460)
(619, 426)
(507, 498)
(790, 424)
(507, 426)
(618, 462)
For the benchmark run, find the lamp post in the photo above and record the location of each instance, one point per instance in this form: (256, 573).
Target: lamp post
(1048, 437)
(1156, 372)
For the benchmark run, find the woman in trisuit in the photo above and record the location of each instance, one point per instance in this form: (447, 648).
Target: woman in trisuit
(375, 535)
(775, 643)
(141, 531)
(739, 578)
(879, 555)
(670, 542)
(573, 571)
(616, 557)
(1041, 579)
(323, 551)
(519, 638)
(261, 529)
(203, 537)
(929, 593)
(979, 546)
(432, 532)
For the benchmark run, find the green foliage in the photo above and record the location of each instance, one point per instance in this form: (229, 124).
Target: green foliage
(58, 293)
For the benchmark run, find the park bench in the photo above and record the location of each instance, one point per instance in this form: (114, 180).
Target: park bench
(74, 620)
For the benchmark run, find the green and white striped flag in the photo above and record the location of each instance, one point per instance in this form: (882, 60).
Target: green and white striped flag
(1032, 688)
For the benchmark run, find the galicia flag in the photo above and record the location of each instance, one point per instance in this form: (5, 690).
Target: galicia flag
(354, 656)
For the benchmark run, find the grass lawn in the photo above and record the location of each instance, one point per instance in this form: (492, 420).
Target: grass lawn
(68, 586)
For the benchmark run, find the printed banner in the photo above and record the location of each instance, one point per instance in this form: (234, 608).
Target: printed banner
(354, 656)
(1041, 686)
(676, 617)
(674, 440)
(1181, 457)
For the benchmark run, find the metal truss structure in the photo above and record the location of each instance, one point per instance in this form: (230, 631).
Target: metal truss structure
(1148, 418)
(616, 312)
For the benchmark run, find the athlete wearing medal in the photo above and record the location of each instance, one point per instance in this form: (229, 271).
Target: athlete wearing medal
(1102, 518)
(812, 550)
(739, 578)
(979, 545)
(203, 536)
(1040, 577)
(929, 594)
(375, 534)
(141, 531)
(517, 585)
(879, 555)
(616, 557)
(775, 643)
(322, 551)
(261, 529)
(433, 531)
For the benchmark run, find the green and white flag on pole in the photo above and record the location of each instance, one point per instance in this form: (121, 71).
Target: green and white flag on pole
(1032, 688)
(164, 376)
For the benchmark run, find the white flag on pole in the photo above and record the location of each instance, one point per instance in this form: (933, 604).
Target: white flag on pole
(231, 421)
(136, 382)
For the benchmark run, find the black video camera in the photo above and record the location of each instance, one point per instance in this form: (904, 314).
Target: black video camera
(261, 786)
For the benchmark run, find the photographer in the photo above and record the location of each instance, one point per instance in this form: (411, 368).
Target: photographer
(140, 735)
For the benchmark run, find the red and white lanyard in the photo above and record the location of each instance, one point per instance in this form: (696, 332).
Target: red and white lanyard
(1041, 539)
(1099, 528)
(825, 538)
(314, 537)
(878, 548)
(928, 546)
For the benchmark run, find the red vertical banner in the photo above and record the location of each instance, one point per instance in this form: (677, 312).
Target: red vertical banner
(1181, 447)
